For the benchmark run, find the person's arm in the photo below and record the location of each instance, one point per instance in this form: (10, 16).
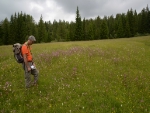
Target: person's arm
(26, 62)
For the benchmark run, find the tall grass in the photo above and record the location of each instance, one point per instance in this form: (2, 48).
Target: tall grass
(103, 76)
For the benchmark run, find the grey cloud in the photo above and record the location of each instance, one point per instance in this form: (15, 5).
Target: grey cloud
(64, 9)
(9, 8)
(93, 8)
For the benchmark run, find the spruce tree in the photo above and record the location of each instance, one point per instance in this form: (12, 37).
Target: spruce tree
(136, 22)
(143, 21)
(127, 29)
(1, 34)
(78, 29)
(148, 21)
(49, 31)
(111, 26)
(61, 31)
(55, 27)
(104, 30)
(15, 28)
(91, 30)
(5, 28)
(12, 33)
(120, 32)
(41, 31)
(84, 30)
(131, 22)
(72, 31)
(97, 29)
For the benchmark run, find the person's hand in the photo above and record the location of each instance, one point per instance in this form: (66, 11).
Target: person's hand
(34, 64)
(29, 69)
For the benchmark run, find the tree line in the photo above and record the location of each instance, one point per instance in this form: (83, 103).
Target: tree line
(20, 26)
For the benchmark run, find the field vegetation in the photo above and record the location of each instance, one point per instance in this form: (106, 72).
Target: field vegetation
(100, 76)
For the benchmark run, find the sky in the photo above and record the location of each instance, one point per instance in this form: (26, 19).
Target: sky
(66, 9)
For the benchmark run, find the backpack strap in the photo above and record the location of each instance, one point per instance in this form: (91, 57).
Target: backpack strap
(26, 43)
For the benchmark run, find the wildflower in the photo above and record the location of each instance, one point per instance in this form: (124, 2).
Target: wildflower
(50, 105)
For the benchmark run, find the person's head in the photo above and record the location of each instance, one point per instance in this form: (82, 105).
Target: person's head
(31, 40)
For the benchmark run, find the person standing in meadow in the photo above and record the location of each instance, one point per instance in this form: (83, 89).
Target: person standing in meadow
(29, 65)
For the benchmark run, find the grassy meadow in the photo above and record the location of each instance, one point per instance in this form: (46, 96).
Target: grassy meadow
(102, 76)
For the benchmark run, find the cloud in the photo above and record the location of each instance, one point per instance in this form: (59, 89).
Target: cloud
(94, 8)
(66, 9)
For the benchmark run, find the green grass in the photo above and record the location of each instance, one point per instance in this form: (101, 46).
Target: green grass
(103, 76)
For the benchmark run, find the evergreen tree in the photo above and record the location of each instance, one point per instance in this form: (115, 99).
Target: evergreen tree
(21, 26)
(131, 22)
(1, 34)
(104, 30)
(139, 23)
(78, 30)
(97, 29)
(136, 21)
(91, 30)
(116, 25)
(55, 27)
(127, 29)
(31, 28)
(148, 21)
(120, 31)
(15, 28)
(61, 31)
(49, 30)
(72, 31)
(67, 38)
(111, 26)
(5, 28)
(143, 21)
(21, 33)
(84, 30)
(12, 34)
(41, 31)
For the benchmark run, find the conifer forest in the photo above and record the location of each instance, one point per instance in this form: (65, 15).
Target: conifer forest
(125, 25)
